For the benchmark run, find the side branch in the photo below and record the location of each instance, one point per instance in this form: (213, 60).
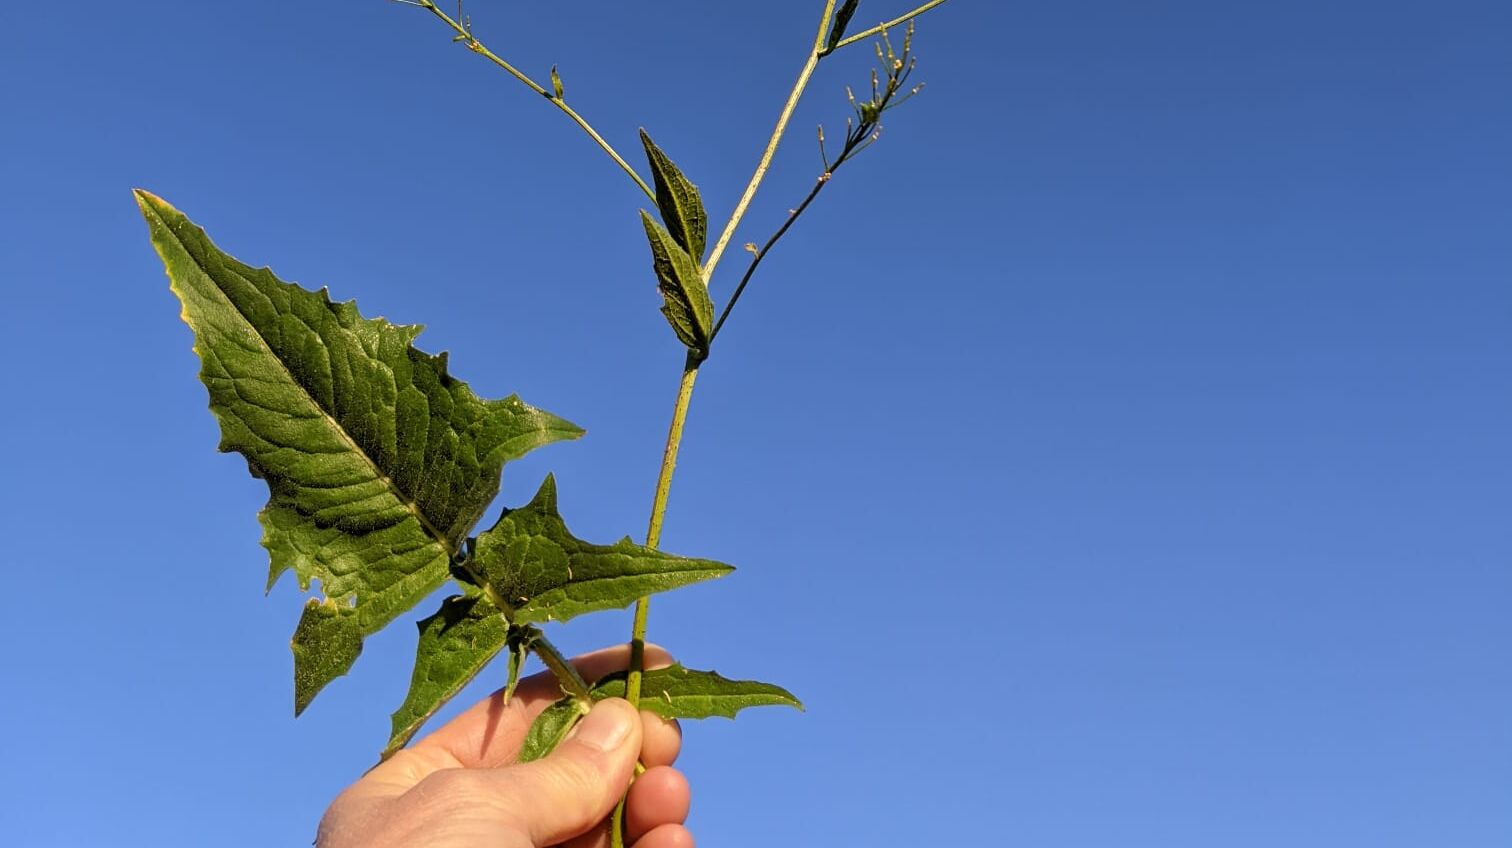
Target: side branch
(771, 148)
(463, 29)
(881, 28)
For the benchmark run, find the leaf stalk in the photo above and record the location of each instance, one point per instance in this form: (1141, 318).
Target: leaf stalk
(566, 674)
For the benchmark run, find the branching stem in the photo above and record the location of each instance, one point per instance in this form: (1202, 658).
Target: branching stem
(765, 163)
(465, 35)
(764, 249)
(880, 28)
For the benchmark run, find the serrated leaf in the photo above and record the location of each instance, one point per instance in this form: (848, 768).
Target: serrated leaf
(678, 692)
(455, 644)
(685, 296)
(677, 198)
(842, 20)
(671, 692)
(546, 574)
(549, 729)
(378, 461)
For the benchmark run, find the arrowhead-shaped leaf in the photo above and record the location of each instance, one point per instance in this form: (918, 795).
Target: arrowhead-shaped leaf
(677, 692)
(455, 644)
(678, 200)
(546, 574)
(378, 461)
(685, 296)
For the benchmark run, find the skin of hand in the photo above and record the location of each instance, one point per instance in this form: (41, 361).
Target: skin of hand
(460, 786)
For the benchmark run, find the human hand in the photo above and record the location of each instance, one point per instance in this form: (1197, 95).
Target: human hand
(460, 786)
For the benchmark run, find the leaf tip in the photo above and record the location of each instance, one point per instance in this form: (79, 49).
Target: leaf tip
(150, 204)
(546, 496)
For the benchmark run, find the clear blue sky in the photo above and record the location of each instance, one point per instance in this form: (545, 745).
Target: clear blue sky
(1118, 455)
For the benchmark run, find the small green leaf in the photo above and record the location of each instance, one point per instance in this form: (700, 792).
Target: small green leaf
(378, 461)
(685, 296)
(556, 82)
(549, 729)
(681, 206)
(677, 692)
(546, 574)
(455, 644)
(842, 20)
(519, 650)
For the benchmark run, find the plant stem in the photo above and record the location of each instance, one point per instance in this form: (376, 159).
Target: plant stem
(865, 34)
(653, 538)
(464, 34)
(658, 513)
(771, 148)
(566, 674)
(765, 248)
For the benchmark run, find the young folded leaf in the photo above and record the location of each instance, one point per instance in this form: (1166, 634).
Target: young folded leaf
(842, 20)
(549, 729)
(685, 296)
(455, 644)
(681, 206)
(377, 460)
(545, 573)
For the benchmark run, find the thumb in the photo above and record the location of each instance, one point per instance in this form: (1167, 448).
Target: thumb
(577, 785)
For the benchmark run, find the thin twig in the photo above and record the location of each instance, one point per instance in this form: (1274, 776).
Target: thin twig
(865, 34)
(860, 134)
(465, 35)
(771, 147)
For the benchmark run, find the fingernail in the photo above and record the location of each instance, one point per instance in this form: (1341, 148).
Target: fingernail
(605, 728)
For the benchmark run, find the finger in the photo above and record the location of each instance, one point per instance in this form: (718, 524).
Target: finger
(666, 836)
(545, 802)
(660, 796)
(488, 734)
(662, 740)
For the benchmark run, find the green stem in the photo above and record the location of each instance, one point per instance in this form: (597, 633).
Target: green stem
(658, 514)
(653, 538)
(464, 34)
(865, 34)
(566, 673)
(771, 148)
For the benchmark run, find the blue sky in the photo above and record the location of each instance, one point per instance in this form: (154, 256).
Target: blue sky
(1116, 455)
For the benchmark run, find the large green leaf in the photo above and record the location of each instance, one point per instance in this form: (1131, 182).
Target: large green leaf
(685, 296)
(677, 692)
(455, 644)
(677, 198)
(378, 461)
(544, 573)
